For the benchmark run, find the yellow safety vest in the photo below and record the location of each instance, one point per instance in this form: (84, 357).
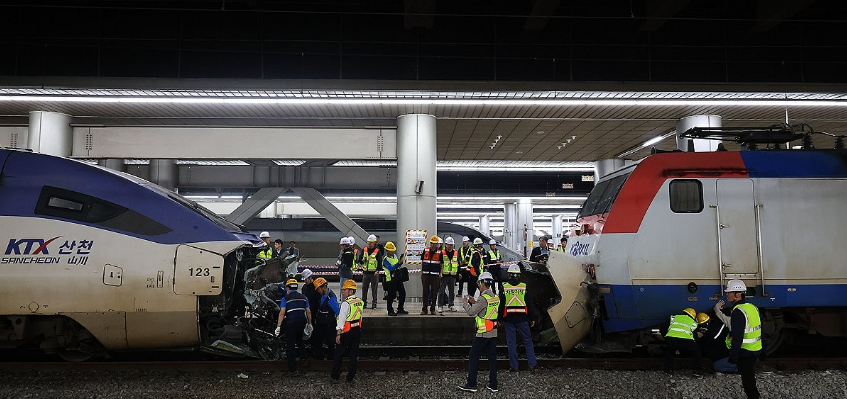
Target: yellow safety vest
(393, 260)
(682, 326)
(451, 265)
(562, 248)
(493, 255)
(465, 253)
(486, 324)
(369, 259)
(265, 254)
(354, 318)
(515, 298)
(752, 340)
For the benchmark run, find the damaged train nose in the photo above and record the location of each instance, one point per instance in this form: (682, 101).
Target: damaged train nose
(572, 315)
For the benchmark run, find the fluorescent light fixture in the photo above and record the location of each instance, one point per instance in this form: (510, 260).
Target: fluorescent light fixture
(648, 143)
(184, 98)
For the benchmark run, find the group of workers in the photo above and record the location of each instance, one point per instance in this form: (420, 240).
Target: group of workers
(739, 351)
(273, 249)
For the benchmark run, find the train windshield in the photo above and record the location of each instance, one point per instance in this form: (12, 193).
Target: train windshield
(603, 196)
(229, 226)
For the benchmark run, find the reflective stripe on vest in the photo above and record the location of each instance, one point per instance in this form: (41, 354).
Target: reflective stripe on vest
(431, 262)
(369, 259)
(486, 324)
(354, 318)
(493, 256)
(682, 326)
(515, 298)
(562, 248)
(394, 261)
(752, 339)
(451, 265)
(475, 269)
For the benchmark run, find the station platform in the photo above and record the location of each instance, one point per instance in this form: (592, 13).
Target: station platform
(449, 328)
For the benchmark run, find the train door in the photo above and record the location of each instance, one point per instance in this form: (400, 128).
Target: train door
(736, 227)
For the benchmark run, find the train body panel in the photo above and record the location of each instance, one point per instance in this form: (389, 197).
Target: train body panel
(667, 234)
(127, 260)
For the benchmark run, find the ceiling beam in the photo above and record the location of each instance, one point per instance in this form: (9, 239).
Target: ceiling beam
(418, 13)
(659, 11)
(542, 10)
(771, 13)
(255, 204)
(249, 177)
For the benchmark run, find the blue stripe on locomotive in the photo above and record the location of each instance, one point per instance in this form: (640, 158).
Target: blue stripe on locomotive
(634, 307)
(24, 175)
(788, 164)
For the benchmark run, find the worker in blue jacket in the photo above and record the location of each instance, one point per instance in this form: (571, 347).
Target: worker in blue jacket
(328, 310)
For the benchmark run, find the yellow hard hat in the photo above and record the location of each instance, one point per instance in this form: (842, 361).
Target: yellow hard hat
(433, 240)
(691, 312)
(319, 282)
(702, 318)
(389, 246)
(291, 283)
(349, 285)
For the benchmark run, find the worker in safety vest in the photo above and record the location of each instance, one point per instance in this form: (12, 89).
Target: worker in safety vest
(449, 270)
(744, 340)
(430, 275)
(295, 308)
(492, 261)
(348, 332)
(485, 313)
(266, 253)
(370, 259)
(464, 261)
(563, 244)
(680, 337)
(475, 266)
(518, 314)
(396, 289)
(345, 262)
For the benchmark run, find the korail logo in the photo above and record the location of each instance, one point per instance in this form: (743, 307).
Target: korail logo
(37, 250)
(580, 249)
(29, 246)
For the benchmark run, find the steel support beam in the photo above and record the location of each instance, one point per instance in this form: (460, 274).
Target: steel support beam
(233, 143)
(50, 133)
(319, 177)
(255, 204)
(330, 212)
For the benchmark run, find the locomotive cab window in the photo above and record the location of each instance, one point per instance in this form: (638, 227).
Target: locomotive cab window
(686, 196)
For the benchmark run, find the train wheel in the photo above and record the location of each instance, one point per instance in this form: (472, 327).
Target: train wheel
(773, 333)
(74, 355)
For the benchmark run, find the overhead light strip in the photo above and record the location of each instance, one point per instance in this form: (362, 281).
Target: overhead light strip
(424, 101)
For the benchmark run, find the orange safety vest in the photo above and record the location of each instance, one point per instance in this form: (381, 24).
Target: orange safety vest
(431, 262)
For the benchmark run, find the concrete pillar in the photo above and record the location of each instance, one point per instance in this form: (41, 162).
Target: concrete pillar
(557, 230)
(510, 225)
(697, 121)
(416, 183)
(113, 163)
(605, 166)
(50, 133)
(485, 225)
(526, 230)
(164, 173)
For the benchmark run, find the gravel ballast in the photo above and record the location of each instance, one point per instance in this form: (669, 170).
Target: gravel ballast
(550, 383)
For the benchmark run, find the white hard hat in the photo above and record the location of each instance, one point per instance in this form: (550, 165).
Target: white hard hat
(371, 238)
(736, 286)
(306, 274)
(264, 234)
(492, 242)
(351, 240)
(449, 241)
(477, 241)
(514, 268)
(343, 241)
(465, 238)
(440, 240)
(486, 276)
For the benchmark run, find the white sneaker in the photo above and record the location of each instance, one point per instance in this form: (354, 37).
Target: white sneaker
(452, 309)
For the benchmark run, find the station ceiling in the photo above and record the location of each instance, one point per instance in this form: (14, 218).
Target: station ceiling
(502, 125)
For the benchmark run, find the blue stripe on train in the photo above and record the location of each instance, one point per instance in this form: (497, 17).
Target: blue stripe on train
(634, 307)
(24, 174)
(804, 163)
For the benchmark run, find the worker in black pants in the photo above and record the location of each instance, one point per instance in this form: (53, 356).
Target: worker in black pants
(328, 309)
(485, 312)
(348, 332)
(294, 310)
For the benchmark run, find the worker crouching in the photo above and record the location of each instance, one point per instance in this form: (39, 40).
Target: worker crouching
(348, 332)
(485, 312)
(680, 337)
